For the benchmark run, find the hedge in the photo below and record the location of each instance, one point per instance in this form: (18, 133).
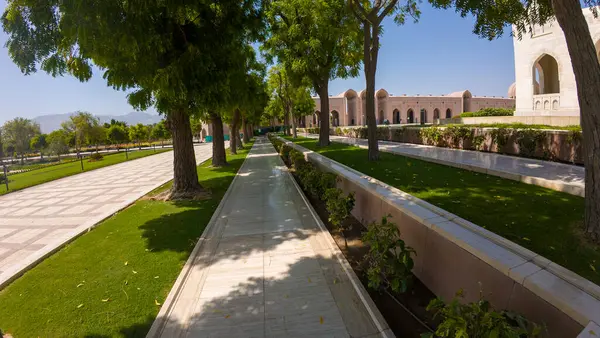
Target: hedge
(489, 112)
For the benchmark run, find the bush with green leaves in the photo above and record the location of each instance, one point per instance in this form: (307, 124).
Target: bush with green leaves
(389, 261)
(489, 112)
(339, 207)
(478, 320)
(96, 157)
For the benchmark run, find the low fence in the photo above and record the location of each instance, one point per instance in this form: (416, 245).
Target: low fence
(550, 145)
(453, 254)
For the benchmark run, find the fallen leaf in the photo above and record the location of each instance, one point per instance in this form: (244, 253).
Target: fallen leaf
(321, 320)
(552, 248)
(79, 285)
(106, 300)
(155, 276)
(593, 267)
(526, 239)
(134, 271)
(156, 302)
(592, 332)
(126, 263)
(227, 316)
(80, 306)
(309, 280)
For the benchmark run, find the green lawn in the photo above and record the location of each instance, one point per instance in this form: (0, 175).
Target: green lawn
(108, 282)
(542, 220)
(51, 173)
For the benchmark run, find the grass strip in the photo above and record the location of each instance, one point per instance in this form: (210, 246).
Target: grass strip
(112, 280)
(545, 221)
(54, 172)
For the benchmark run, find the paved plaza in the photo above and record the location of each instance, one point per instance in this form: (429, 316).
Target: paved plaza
(557, 176)
(36, 221)
(266, 267)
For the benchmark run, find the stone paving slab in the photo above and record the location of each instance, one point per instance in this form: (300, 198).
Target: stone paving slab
(275, 273)
(36, 221)
(552, 175)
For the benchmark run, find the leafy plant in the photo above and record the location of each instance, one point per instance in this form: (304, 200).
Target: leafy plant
(96, 157)
(339, 208)
(478, 320)
(489, 112)
(433, 136)
(529, 140)
(500, 136)
(389, 260)
(383, 133)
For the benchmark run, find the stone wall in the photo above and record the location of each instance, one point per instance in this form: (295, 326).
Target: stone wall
(557, 121)
(552, 145)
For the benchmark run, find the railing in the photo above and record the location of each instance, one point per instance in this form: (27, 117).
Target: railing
(546, 101)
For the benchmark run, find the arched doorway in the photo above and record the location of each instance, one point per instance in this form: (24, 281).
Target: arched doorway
(334, 118)
(448, 113)
(316, 119)
(410, 116)
(436, 114)
(423, 115)
(545, 75)
(380, 117)
(396, 116)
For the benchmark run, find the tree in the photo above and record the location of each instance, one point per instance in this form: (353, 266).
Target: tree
(172, 55)
(288, 101)
(160, 132)
(18, 133)
(138, 133)
(1, 145)
(38, 143)
(318, 40)
(81, 125)
(196, 125)
(493, 17)
(57, 143)
(371, 13)
(116, 134)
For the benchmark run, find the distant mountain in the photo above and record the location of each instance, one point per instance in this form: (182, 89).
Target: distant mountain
(49, 123)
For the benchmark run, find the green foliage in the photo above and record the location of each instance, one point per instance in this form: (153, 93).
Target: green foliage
(489, 112)
(38, 142)
(529, 140)
(383, 133)
(17, 134)
(287, 98)
(500, 137)
(96, 157)
(117, 134)
(518, 126)
(338, 206)
(83, 127)
(479, 320)
(58, 142)
(433, 135)
(389, 260)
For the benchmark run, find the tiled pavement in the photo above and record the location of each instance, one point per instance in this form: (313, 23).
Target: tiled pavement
(36, 221)
(265, 267)
(552, 175)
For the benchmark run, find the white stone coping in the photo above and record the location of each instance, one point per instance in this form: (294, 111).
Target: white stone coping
(572, 294)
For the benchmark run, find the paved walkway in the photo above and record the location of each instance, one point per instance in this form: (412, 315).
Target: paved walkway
(264, 267)
(558, 176)
(36, 221)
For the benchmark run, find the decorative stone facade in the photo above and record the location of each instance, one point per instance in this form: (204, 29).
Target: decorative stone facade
(348, 108)
(545, 83)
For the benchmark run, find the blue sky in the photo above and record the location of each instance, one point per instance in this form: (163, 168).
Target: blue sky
(437, 55)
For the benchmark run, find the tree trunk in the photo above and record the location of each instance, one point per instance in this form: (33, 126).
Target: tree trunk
(233, 131)
(239, 143)
(323, 91)
(587, 77)
(219, 159)
(370, 42)
(294, 132)
(185, 176)
(245, 129)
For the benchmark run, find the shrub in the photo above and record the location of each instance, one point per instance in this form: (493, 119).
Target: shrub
(478, 320)
(339, 208)
(529, 140)
(456, 134)
(398, 134)
(95, 157)
(383, 133)
(489, 112)
(361, 132)
(500, 136)
(389, 260)
(433, 136)
(284, 152)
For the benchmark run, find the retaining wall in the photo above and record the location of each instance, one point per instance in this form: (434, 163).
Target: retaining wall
(557, 121)
(453, 254)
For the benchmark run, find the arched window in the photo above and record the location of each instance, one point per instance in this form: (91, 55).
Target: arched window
(423, 115)
(334, 118)
(316, 119)
(436, 114)
(545, 76)
(448, 113)
(396, 116)
(410, 116)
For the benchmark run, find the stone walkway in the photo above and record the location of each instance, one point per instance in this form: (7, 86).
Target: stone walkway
(36, 221)
(552, 175)
(265, 267)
